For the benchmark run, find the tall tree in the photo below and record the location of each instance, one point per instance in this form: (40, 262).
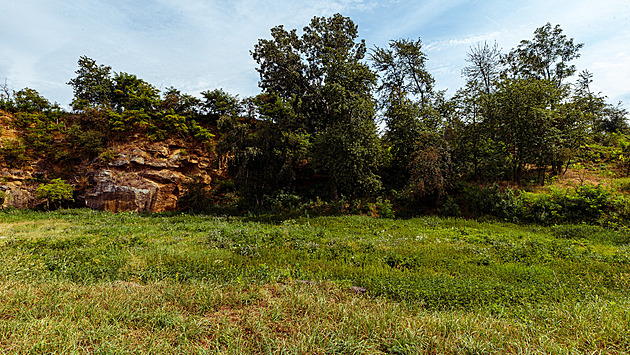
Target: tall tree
(528, 121)
(484, 68)
(93, 87)
(402, 69)
(546, 56)
(321, 77)
(474, 140)
(218, 103)
(179, 103)
(529, 111)
(603, 117)
(412, 113)
(263, 156)
(133, 94)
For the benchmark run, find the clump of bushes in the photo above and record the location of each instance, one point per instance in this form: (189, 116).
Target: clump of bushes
(593, 204)
(55, 192)
(478, 201)
(198, 196)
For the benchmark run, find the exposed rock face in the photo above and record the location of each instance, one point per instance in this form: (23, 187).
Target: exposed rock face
(18, 188)
(119, 191)
(144, 178)
(15, 183)
(141, 177)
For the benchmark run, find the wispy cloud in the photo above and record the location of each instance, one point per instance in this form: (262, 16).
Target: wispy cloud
(198, 45)
(459, 42)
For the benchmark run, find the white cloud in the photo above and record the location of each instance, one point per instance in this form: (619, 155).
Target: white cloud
(193, 44)
(437, 46)
(198, 45)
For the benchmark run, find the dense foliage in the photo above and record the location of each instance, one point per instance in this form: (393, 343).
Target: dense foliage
(55, 192)
(311, 141)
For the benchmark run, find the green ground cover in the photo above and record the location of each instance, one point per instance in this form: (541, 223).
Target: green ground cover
(87, 281)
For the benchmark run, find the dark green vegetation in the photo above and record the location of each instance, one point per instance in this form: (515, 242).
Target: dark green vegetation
(80, 280)
(310, 140)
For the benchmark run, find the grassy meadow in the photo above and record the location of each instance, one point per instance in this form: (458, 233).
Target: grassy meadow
(82, 281)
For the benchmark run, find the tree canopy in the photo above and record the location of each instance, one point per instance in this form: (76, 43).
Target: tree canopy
(335, 120)
(321, 78)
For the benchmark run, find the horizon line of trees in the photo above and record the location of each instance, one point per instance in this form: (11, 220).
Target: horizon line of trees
(313, 131)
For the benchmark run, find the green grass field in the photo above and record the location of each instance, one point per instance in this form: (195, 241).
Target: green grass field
(81, 281)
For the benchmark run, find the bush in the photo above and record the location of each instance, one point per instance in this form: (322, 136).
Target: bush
(491, 201)
(55, 192)
(196, 196)
(384, 208)
(451, 208)
(622, 185)
(282, 202)
(587, 203)
(13, 154)
(542, 209)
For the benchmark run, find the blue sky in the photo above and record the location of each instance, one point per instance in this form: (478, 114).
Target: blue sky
(197, 45)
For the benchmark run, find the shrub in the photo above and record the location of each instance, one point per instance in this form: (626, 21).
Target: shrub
(282, 202)
(86, 143)
(14, 154)
(384, 208)
(55, 192)
(196, 196)
(587, 203)
(451, 208)
(490, 200)
(622, 185)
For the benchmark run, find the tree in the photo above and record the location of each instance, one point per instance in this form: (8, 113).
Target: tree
(545, 57)
(5, 92)
(603, 117)
(412, 111)
(93, 87)
(484, 68)
(476, 149)
(523, 108)
(218, 103)
(30, 101)
(179, 103)
(404, 128)
(321, 79)
(529, 122)
(402, 69)
(131, 93)
(614, 119)
(430, 167)
(263, 157)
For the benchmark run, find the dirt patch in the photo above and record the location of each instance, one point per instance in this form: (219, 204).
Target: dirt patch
(6, 132)
(575, 177)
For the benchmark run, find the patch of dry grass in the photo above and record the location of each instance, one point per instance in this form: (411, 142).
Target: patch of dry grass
(294, 318)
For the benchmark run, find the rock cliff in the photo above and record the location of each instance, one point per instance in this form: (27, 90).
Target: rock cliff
(135, 176)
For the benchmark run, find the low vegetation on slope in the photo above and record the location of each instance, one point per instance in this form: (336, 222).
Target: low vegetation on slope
(86, 281)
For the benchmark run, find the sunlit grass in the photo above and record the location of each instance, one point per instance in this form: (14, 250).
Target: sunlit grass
(86, 281)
